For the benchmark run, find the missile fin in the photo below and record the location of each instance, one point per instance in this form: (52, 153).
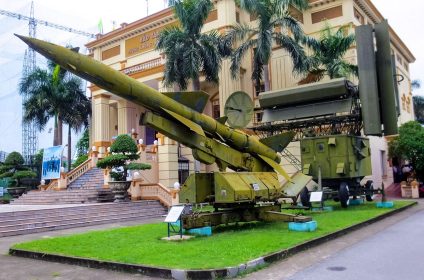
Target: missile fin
(280, 141)
(276, 167)
(222, 120)
(195, 100)
(191, 125)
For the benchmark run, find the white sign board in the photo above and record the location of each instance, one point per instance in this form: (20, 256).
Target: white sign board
(174, 214)
(316, 197)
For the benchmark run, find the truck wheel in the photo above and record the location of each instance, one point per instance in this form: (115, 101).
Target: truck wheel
(344, 194)
(369, 190)
(304, 197)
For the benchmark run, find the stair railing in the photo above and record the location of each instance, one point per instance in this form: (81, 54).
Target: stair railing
(77, 172)
(167, 197)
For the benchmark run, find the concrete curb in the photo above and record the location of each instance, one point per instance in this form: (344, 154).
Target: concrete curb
(179, 274)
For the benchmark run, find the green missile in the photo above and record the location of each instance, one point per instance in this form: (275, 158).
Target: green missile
(128, 88)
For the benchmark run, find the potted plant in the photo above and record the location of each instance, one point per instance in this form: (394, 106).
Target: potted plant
(15, 170)
(122, 152)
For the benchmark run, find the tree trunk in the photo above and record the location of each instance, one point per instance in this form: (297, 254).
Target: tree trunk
(266, 77)
(55, 132)
(196, 87)
(69, 148)
(59, 131)
(196, 84)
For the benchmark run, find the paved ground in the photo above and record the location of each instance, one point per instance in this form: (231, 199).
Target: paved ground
(389, 249)
(398, 233)
(13, 208)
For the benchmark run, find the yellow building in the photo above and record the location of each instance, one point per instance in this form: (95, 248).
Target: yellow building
(130, 49)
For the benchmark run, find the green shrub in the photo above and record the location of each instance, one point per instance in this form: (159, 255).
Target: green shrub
(14, 158)
(123, 150)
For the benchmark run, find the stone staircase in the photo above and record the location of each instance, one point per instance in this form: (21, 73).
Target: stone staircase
(85, 189)
(32, 221)
(91, 179)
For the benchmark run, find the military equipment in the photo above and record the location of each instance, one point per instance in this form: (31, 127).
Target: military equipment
(177, 116)
(238, 109)
(377, 83)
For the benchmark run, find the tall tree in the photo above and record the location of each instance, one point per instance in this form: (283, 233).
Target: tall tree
(328, 58)
(76, 117)
(54, 93)
(190, 53)
(419, 108)
(275, 25)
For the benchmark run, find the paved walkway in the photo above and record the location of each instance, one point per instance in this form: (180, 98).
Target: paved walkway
(293, 267)
(14, 208)
(27, 269)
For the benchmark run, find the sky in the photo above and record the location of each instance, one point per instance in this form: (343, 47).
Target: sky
(406, 19)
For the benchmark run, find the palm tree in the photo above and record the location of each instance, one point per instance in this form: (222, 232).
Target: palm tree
(79, 110)
(328, 57)
(189, 53)
(274, 26)
(54, 93)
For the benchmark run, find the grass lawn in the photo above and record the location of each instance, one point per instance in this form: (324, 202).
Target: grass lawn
(228, 246)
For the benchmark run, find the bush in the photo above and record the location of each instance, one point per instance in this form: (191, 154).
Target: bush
(409, 145)
(14, 158)
(24, 174)
(123, 150)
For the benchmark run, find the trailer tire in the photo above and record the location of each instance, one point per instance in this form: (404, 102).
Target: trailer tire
(304, 197)
(344, 194)
(369, 189)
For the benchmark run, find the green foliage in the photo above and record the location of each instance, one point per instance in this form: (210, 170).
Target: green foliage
(54, 93)
(83, 143)
(24, 174)
(409, 145)
(15, 169)
(124, 144)
(328, 57)
(6, 174)
(112, 161)
(228, 246)
(138, 166)
(189, 52)
(275, 27)
(419, 108)
(123, 150)
(14, 158)
(79, 160)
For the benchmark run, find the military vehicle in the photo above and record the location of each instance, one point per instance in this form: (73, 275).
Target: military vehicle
(329, 118)
(249, 194)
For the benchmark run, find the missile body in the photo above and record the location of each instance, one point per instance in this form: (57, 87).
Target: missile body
(139, 93)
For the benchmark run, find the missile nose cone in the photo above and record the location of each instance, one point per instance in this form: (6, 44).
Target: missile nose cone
(27, 40)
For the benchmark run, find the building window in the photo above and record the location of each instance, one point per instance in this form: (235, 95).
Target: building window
(399, 59)
(258, 117)
(358, 16)
(237, 17)
(150, 136)
(183, 167)
(213, 15)
(327, 14)
(296, 14)
(215, 109)
(259, 88)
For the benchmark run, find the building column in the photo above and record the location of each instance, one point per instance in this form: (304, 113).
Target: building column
(126, 117)
(226, 84)
(168, 161)
(101, 127)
